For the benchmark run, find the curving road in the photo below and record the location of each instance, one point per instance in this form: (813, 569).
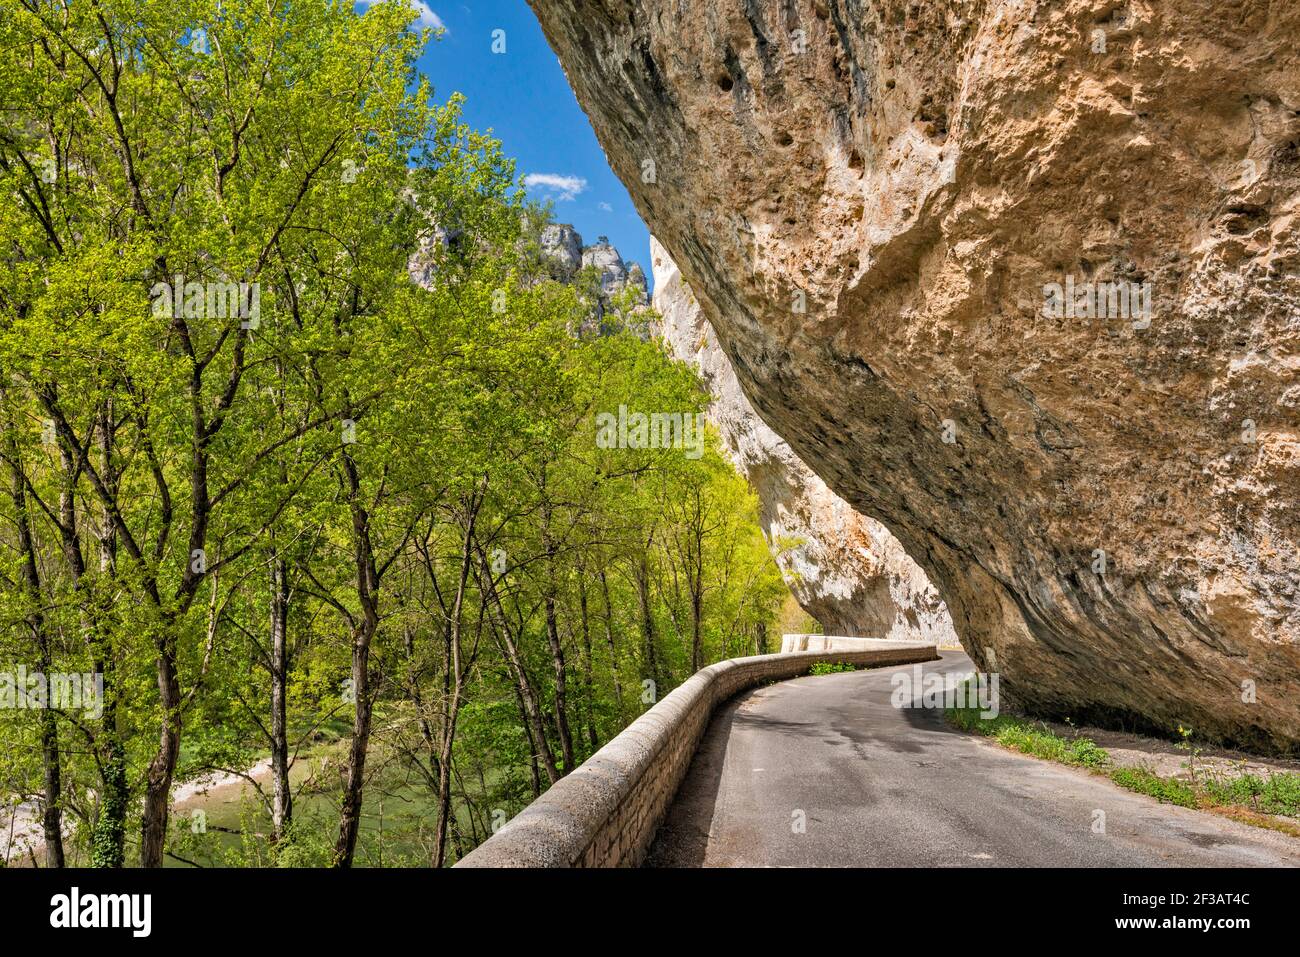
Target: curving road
(879, 786)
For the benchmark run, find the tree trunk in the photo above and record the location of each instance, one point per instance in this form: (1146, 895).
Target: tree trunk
(354, 786)
(647, 620)
(52, 798)
(281, 795)
(588, 678)
(561, 695)
(524, 720)
(697, 638)
(108, 833)
(158, 783)
(613, 649)
(109, 838)
(695, 578)
(363, 635)
(523, 687)
(458, 685)
(556, 646)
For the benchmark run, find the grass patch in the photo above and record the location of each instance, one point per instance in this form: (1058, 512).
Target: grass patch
(1164, 790)
(1030, 738)
(830, 668)
(1278, 794)
(1247, 796)
(1080, 752)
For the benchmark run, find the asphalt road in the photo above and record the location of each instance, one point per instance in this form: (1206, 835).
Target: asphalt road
(876, 786)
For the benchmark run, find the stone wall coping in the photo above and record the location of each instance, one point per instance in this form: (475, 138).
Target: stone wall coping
(812, 642)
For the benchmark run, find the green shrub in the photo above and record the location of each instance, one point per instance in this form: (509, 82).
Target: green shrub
(1040, 742)
(830, 668)
(1164, 790)
(1279, 794)
(1028, 737)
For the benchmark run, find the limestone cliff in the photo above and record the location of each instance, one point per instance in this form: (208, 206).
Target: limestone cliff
(881, 206)
(845, 569)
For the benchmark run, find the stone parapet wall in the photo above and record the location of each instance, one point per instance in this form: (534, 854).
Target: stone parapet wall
(606, 812)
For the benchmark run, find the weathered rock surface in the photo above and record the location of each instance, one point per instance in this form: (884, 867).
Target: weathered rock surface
(868, 201)
(845, 569)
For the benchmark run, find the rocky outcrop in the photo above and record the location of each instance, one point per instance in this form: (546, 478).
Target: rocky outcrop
(881, 208)
(562, 249)
(608, 264)
(566, 258)
(845, 569)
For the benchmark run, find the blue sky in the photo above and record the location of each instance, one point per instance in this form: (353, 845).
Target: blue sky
(523, 97)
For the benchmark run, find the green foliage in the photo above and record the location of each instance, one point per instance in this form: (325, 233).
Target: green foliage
(1276, 794)
(1027, 737)
(404, 475)
(1042, 743)
(1165, 790)
(830, 668)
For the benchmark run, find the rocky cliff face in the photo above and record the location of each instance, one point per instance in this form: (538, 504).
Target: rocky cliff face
(882, 209)
(845, 569)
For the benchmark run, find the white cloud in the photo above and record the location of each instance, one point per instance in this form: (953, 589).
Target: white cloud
(606, 208)
(566, 188)
(427, 19)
